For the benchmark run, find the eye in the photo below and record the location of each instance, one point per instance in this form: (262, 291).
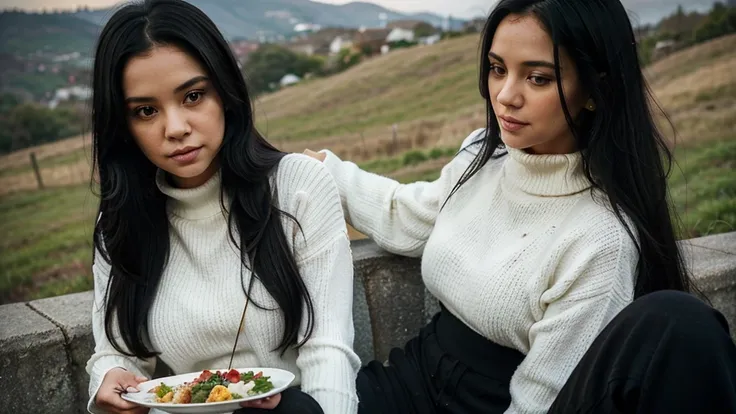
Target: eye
(193, 97)
(145, 112)
(497, 70)
(539, 81)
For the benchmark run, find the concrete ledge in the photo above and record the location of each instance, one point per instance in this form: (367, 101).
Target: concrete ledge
(35, 368)
(51, 339)
(394, 293)
(712, 260)
(72, 315)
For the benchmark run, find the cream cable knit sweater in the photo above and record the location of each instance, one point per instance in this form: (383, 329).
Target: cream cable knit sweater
(200, 299)
(522, 253)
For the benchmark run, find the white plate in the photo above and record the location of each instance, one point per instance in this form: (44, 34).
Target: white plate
(279, 378)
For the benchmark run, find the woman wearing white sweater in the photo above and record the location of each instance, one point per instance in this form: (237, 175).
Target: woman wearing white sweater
(540, 233)
(199, 214)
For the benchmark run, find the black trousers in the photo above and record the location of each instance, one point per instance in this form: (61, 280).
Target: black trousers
(293, 401)
(667, 352)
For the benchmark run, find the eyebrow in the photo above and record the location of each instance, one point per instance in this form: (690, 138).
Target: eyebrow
(188, 84)
(530, 63)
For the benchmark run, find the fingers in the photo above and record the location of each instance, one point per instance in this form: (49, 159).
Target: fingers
(268, 403)
(316, 155)
(116, 382)
(114, 403)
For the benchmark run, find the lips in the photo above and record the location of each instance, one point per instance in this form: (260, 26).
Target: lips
(186, 154)
(511, 124)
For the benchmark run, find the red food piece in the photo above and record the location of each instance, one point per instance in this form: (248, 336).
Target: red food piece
(258, 375)
(204, 376)
(232, 376)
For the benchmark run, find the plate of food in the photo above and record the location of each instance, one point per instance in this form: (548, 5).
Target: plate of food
(210, 391)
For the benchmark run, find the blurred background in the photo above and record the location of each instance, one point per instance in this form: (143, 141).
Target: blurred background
(391, 85)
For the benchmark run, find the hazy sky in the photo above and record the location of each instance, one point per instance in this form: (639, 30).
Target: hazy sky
(459, 8)
(437, 6)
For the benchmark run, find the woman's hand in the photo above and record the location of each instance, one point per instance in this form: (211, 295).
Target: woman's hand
(117, 381)
(320, 156)
(268, 403)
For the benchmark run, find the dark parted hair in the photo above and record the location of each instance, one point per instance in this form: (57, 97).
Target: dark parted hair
(132, 232)
(623, 152)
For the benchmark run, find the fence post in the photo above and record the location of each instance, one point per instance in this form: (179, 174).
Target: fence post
(37, 170)
(365, 149)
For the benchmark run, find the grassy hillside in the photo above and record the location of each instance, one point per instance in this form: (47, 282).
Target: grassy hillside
(403, 86)
(25, 33)
(430, 93)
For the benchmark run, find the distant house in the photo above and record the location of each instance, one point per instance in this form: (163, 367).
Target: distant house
(663, 48)
(307, 28)
(405, 24)
(243, 48)
(323, 42)
(430, 40)
(398, 34)
(289, 80)
(419, 29)
(339, 43)
(303, 46)
(371, 40)
(78, 92)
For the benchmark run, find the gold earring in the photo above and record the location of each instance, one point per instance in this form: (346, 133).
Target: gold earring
(590, 105)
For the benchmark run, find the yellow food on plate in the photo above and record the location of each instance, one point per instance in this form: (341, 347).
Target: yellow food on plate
(219, 393)
(166, 398)
(183, 395)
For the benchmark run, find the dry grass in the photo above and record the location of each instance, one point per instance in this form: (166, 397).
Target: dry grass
(20, 159)
(697, 88)
(55, 175)
(688, 60)
(430, 93)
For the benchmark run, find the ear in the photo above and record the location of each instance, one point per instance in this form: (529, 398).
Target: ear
(590, 105)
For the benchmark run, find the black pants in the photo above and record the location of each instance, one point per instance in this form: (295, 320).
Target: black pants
(293, 401)
(667, 352)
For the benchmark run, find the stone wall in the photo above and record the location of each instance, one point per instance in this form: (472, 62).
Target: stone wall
(45, 344)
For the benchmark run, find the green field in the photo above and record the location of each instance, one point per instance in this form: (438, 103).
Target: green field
(431, 93)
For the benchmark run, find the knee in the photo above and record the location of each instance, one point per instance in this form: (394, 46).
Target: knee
(684, 311)
(672, 301)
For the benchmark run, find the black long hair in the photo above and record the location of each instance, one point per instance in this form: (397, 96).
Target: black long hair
(132, 232)
(623, 153)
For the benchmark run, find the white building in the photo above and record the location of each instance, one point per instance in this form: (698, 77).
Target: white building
(430, 40)
(78, 92)
(398, 34)
(339, 43)
(289, 80)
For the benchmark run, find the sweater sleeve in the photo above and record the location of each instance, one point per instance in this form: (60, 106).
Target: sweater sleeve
(592, 282)
(105, 357)
(398, 217)
(327, 361)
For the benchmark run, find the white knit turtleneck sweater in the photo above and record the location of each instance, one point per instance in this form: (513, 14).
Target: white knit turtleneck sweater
(199, 300)
(522, 253)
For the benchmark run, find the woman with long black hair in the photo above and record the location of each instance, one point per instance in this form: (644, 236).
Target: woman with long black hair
(198, 215)
(548, 240)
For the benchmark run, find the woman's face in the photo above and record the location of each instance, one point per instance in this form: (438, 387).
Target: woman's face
(523, 88)
(174, 114)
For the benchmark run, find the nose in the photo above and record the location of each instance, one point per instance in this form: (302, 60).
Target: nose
(510, 94)
(177, 125)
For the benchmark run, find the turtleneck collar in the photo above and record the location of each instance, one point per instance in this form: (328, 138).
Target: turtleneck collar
(192, 203)
(546, 175)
